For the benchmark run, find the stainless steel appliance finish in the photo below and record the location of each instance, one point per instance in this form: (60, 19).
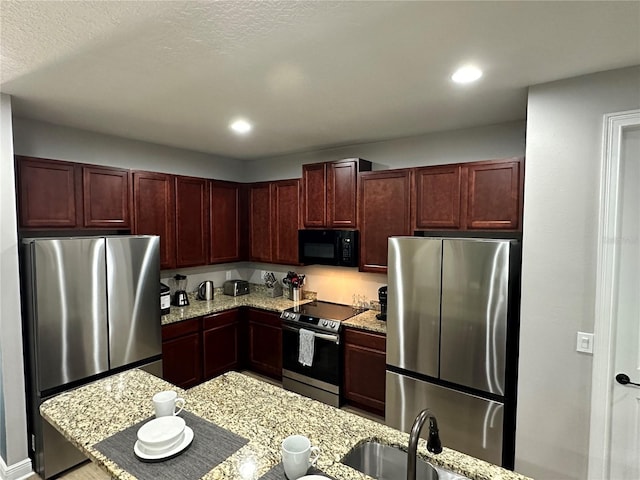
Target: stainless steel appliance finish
(413, 304)
(91, 308)
(322, 379)
(468, 423)
(205, 290)
(452, 333)
(235, 288)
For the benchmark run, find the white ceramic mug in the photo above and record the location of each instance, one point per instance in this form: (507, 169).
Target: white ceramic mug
(296, 456)
(165, 403)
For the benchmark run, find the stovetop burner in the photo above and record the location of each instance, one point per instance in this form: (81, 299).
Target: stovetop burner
(324, 315)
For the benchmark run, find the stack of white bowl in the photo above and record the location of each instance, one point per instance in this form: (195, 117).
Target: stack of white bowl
(161, 435)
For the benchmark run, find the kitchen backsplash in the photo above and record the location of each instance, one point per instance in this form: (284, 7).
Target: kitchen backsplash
(332, 284)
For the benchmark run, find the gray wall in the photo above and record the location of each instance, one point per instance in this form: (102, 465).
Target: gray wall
(468, 145)
(12, 412)
(39, 139)
(564, 148)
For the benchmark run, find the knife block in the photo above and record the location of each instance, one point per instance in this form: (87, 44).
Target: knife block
(274, 292)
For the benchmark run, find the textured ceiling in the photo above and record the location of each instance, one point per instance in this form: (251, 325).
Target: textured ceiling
(308, 74)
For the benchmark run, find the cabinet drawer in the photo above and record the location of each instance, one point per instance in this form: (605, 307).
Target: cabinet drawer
(220, 319)
(375, 341)
(179, 329)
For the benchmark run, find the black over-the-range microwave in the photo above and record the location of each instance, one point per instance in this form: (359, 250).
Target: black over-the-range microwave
(328, 247)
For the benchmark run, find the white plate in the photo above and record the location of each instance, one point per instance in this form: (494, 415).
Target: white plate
(186, 441)
(314, 477)
(160, 434)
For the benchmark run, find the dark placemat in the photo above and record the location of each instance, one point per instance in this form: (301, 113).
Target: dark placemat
(211, 446)
(277, 473)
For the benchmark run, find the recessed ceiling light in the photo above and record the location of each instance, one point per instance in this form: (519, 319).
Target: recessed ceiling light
(466, 74)
(240, 126)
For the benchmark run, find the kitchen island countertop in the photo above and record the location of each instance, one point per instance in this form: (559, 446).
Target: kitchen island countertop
(262, 413)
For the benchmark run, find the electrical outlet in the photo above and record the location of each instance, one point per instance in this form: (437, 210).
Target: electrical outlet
(228, 275)
(584, 342)
(262, 274)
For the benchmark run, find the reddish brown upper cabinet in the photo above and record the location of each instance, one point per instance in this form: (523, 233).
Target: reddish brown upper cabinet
(495, 195)
(154, 212)
(331, 193)
(49, 193)
(286, 221)
(385, 198)
(192, 229)
(364, 369)
(484, 195)
(437, 196)
(106, 197)
(224, 221)
(260, 225)
(314, 186)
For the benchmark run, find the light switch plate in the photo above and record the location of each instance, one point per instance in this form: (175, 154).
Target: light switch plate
(584, 342)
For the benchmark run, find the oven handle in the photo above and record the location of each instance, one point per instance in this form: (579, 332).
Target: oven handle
(321, 336)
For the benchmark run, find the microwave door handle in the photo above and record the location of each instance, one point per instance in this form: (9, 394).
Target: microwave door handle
(338, 251)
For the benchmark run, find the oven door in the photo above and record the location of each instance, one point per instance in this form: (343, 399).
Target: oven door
(327, 356)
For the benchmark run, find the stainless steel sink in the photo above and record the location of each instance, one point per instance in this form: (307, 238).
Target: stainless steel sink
(390, 463)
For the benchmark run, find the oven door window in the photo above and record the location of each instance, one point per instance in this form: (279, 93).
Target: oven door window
(327, 364)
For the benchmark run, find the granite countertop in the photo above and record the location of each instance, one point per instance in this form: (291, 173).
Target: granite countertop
(262, 413)
(259, 299)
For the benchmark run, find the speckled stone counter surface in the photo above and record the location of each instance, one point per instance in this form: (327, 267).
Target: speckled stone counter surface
(221, 302)
(367, 321)
(263, 413)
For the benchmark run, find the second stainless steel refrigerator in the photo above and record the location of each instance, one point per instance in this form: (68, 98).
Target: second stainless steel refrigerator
(452, 336)
(92, 308)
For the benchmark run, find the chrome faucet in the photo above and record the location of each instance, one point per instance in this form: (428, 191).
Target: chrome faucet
(433, 441)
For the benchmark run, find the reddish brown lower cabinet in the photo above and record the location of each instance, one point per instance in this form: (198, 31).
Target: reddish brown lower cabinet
(385, 198)
(220, 343)
(182, 353)
(265, 343)
(364, 370)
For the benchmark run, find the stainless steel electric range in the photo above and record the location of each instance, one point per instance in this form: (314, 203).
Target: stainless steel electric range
(321, 325)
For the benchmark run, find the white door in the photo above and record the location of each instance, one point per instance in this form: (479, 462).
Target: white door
(614, 440)
(625, 399)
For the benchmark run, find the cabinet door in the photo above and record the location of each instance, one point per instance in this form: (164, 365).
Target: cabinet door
(437, 197)
(365, 364)
(494, 195)
(224, 221)
(181, 353)
(47, 196)
(384, 211)
(342, 194)
(260, 232)
(192, 234)
(265, 343)
(154, 212)
(220, 338)
(314, 186)
(106, 197)
(286, 221)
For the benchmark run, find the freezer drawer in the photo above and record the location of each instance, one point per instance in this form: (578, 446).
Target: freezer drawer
(467, 423)
(413, 310)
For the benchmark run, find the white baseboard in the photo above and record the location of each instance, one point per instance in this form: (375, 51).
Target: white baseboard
(17, 471)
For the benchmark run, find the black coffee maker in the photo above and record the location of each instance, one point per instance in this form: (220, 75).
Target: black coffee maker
(382, 297)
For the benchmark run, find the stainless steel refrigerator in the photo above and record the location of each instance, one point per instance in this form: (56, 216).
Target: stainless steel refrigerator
(452, 340)
(91, 308)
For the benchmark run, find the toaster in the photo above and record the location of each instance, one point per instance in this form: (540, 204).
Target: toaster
(235, 288)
